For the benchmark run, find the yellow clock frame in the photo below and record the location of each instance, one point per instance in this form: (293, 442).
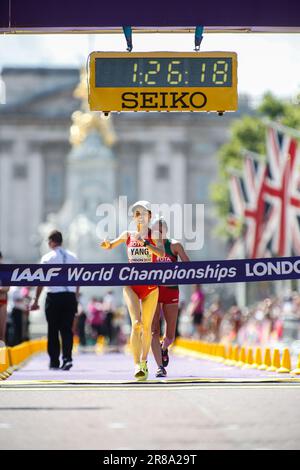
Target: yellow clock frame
(162, 98)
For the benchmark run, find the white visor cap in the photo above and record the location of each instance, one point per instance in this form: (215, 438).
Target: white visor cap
(144, 204)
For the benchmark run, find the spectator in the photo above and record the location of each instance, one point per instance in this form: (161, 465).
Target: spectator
(17, 316)
(81, 321)
(110, 309)
(230, 324)
(96, 317)
(196, 308)
(215, 316)
(61, 306)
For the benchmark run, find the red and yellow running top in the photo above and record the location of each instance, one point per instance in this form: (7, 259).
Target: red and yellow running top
(136, 252)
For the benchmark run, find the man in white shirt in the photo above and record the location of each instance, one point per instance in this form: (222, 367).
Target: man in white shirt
(61, 305)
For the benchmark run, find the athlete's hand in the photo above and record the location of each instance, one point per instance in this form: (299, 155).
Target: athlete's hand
(138, 237)
(106, 245)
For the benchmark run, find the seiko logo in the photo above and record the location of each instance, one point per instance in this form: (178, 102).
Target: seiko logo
(163, 100)
(37, 275)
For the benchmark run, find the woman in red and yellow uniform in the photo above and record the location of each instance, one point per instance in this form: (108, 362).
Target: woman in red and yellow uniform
(141, 301)
(168, 299)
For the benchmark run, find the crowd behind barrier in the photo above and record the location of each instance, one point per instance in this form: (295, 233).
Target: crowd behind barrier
(269, 321)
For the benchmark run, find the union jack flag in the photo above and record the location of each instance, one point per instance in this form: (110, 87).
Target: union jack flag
(267, 196)
(282, 190)
(247, 192)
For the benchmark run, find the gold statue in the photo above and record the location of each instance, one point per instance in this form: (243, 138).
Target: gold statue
(84, 121)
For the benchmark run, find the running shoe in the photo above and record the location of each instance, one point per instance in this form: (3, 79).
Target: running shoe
(161, 372)
(141, 371)
(164, 357)
(144, 368)
(138, 372)
(67, 365)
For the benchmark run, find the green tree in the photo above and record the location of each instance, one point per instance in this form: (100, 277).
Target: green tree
(272, 107)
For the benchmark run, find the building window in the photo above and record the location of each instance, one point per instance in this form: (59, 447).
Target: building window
(19, 171)
(162, 172)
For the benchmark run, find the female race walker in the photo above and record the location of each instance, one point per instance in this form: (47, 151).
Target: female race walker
(168, 299)
(141, 301)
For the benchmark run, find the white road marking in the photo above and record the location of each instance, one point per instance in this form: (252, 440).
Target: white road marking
(117, 425)
(194, 387)
(5, 426)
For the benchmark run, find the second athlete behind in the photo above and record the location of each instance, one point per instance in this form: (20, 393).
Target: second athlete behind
(168, 298)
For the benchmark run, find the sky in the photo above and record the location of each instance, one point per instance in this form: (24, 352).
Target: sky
(266, 62)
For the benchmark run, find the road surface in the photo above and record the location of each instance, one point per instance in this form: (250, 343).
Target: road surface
(97, 405)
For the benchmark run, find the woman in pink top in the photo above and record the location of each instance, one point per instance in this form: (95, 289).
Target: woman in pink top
(196, 308)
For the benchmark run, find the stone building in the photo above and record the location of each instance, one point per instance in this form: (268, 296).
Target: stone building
(34, 142)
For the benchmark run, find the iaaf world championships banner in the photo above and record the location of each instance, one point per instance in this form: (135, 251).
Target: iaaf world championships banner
(121, 274)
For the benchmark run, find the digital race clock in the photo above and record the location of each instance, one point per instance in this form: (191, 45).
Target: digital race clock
(163, 81)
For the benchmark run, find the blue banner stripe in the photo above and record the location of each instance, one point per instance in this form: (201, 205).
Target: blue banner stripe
(93, 13)
(122, 274)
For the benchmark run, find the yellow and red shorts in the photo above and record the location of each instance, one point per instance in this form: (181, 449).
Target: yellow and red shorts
(143, 291)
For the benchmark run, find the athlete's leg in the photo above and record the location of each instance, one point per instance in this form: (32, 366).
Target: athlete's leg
(155, 344)
(149, 304)
(134, 308)
(170, 313)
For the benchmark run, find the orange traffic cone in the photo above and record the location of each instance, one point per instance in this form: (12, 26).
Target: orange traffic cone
(285, 362)
(221, 353)
(235, 355)
(258, 358)
(297, 370)
(228, 360)
(249, 360)
(275, 361)
(242, 357)
(267, 360)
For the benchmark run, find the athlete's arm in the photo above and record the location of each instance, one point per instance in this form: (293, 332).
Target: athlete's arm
(158, 249)
(109, 244)
(178, 250)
